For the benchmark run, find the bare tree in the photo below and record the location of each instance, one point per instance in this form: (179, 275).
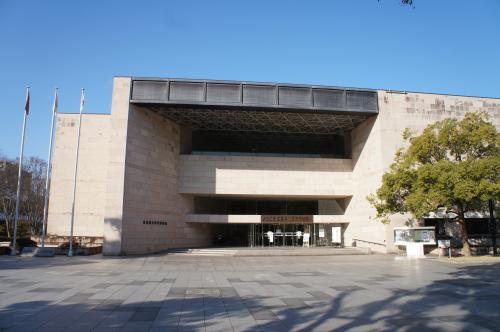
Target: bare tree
(34, 198)
(8, 186)
(32, 194)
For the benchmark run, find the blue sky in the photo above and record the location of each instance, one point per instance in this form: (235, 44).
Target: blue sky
(445, 46)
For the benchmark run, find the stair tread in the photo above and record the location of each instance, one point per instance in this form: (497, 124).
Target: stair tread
(269, 251)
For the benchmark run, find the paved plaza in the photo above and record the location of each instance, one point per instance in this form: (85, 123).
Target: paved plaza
(193, 293)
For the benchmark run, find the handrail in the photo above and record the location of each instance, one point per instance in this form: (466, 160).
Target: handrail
(371, 242)
(482, 234)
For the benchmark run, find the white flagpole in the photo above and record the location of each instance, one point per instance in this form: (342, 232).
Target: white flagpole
(82, 100)
(13, 252)
(49, 166)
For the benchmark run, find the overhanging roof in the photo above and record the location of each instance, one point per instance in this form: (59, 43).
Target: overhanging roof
(257, 107)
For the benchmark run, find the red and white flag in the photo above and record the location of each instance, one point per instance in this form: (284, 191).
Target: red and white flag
(27, 104)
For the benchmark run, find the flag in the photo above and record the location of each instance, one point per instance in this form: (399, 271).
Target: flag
(56, 102)
(82, 100)
(27, 104)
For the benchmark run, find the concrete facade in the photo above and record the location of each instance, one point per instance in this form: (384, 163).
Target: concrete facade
(136, 189)
(151, 188)
(265, 176)
(92, 175)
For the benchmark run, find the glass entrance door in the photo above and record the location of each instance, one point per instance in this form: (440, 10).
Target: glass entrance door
(277, 235)
(294, 235)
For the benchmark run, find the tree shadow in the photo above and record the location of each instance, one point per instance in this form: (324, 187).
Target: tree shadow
(81, 312)
(466, 299)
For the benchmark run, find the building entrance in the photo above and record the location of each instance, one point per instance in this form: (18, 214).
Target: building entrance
(295, 235)
(271, 235)
(279, 235)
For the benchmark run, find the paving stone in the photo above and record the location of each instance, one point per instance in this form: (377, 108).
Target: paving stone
(127, 308)
(303, 274)
(195, 326)
(377, 279)
(228, 292)
(116, 319)
(177, 291)
(489, 323)
(109, 305)
(296, 284)
(137, 283)
(96, 274)
(272, 325)
(106, 329)
(144, 316)
(137, 326)
(203, 291)
(447, 293)
(318, 295)
(347, 288)
(293, 302)
(23, 284)
(48, 290)
(166, 319)
(244, 325)
(103, 285)
(265, 282)
(80, 297)
(9, 281)
(262, 314)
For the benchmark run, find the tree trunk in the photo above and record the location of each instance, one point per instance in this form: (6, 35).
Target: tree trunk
(7, 227)
(465, 235)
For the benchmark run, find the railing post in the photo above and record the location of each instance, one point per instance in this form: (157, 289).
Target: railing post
(493, 227)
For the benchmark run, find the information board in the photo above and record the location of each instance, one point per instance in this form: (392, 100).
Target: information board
(336, 235)
(405, 235)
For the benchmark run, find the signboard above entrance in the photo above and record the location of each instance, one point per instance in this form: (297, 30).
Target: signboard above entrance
(286, 219)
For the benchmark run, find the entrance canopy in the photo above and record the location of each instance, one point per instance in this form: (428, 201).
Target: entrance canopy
(251, 107)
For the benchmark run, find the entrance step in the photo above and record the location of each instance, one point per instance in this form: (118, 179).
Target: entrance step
(203, 251)
(47, 251)
(250, 252)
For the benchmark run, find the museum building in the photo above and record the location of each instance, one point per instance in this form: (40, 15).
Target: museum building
(183, 163)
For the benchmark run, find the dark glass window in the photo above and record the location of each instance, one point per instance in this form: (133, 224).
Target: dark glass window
(477, 225)
(319, 145)
(242, 207)
(302, 207)
(207, 205)
(271, 207)
(439, 225)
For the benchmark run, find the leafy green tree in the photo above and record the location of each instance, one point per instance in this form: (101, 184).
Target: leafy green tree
(454, 164)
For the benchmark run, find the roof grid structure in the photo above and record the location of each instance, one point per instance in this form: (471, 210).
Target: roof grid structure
(261, 121)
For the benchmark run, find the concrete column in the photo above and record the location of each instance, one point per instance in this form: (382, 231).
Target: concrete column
(113, 214)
